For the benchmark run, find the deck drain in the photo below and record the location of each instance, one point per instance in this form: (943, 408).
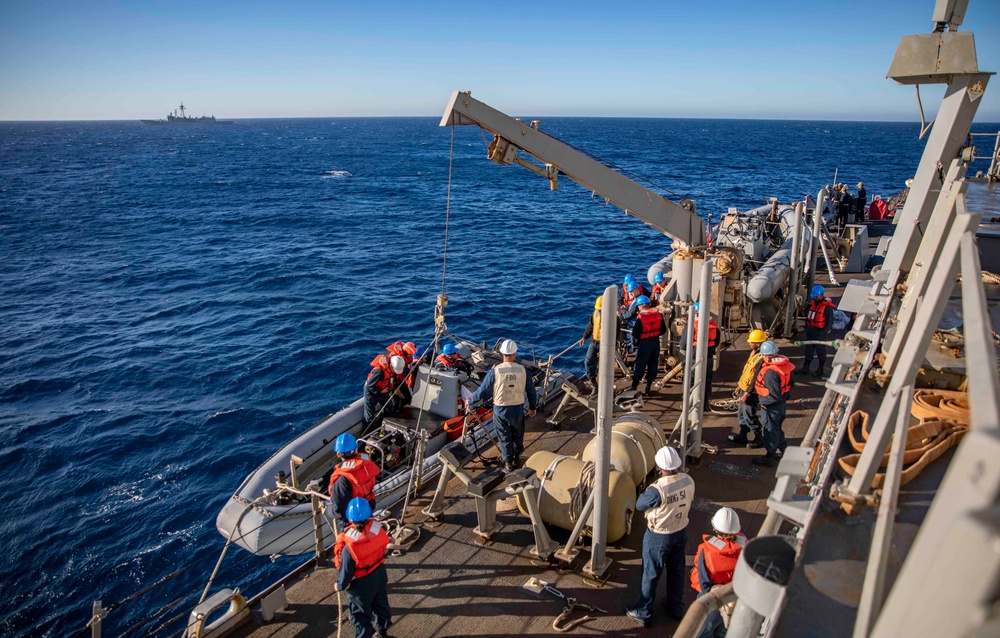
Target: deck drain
(733, 470)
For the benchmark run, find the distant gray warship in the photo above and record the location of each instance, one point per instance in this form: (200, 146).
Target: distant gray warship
(178, 116)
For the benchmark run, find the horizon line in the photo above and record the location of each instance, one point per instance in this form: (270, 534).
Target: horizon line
(623, 117)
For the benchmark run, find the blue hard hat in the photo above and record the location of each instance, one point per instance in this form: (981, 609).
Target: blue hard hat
(642, 300)
(345, 444)
(629, 278)
(817, 291)
(658, 278)
(631, 286)
(449, 349)
(769, 348)
(419, 353)
(358, 510)
(697, 306)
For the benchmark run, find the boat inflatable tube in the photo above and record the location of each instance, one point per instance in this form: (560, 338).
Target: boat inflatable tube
(772, 275)
(561, 476)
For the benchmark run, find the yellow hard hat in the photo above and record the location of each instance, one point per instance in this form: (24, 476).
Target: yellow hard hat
(599, 303)
(757, 336)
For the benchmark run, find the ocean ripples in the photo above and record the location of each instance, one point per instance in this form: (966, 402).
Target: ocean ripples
(178, 304)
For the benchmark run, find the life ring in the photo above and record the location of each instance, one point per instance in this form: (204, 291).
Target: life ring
(233, 616)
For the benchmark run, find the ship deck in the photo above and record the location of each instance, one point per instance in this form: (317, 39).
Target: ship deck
(451, 584)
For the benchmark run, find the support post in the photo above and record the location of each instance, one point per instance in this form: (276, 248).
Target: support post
(697, 402)
(815, 241)
(599, 563)
(96, 619)
(873, 590)
(317, 527)
(685, 417)
(793, 278)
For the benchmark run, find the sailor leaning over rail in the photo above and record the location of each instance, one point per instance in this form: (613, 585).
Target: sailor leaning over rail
(714, 565)
(667, 503)
(593, 332)
(354, 477)
(649, 325)
(509, 384)
(746, 409)
(773, 385)
(359, 557)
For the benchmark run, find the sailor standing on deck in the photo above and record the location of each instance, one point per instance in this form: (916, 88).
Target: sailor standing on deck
(593, 332)
(746, 409)
(659, 285)
(359, 557)
(773, 385)
(354, 477)
(819, 326)
(509, 384)
(715, 563)
(646, 333)
(666, 503)
(383, 385)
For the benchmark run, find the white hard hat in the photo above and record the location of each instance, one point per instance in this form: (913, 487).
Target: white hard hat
(667, 458)
(508, 347)
(726, 521)
(398, 364)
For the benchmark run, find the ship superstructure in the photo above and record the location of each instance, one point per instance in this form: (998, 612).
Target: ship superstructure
(180, 116)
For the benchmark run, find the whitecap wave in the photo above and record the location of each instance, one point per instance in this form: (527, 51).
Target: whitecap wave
(332, 174)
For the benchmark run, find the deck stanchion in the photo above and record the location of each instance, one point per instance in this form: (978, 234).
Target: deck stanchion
(793, 277)
(815, 239)
(599, 563)
(318, 527)
(697, 402)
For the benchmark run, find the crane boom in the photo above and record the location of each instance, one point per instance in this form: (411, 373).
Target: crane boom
(679, 222)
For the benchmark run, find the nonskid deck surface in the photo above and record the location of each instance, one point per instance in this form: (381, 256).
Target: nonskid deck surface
(450, 584)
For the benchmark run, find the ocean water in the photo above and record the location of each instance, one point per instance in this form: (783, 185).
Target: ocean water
(177, 302)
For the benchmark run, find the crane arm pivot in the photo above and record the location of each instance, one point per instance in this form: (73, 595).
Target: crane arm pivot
(676, 221)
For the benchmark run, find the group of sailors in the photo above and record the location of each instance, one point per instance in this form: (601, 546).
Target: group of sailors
(844, 204)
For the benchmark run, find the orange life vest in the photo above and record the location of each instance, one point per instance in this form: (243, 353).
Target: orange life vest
(382, 363)
(817, 313)
(651, 322)
(367, 547)
(721, 557)
(396, 349)
(713, 332)
(446, 360)
(361, 473)
(658, 290)
(783, 367)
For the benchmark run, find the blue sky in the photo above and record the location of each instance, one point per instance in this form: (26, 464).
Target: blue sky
(62, 59)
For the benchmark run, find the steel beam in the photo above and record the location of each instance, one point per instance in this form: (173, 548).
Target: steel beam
(673, 220)
(954, 117)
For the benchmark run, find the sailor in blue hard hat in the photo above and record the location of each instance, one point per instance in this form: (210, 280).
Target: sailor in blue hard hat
(509, 384)
(353, 477)
(451, 360)
(359, 557)
(819, 327)
(773, 386)
(659, 286)
(649, 325)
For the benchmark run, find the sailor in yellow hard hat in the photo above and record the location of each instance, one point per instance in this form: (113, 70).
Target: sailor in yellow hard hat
(746, 409)
(592, 332)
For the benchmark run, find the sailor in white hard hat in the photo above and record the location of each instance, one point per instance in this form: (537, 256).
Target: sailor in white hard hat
(666, 503)
(715, 563)
(509, 384)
